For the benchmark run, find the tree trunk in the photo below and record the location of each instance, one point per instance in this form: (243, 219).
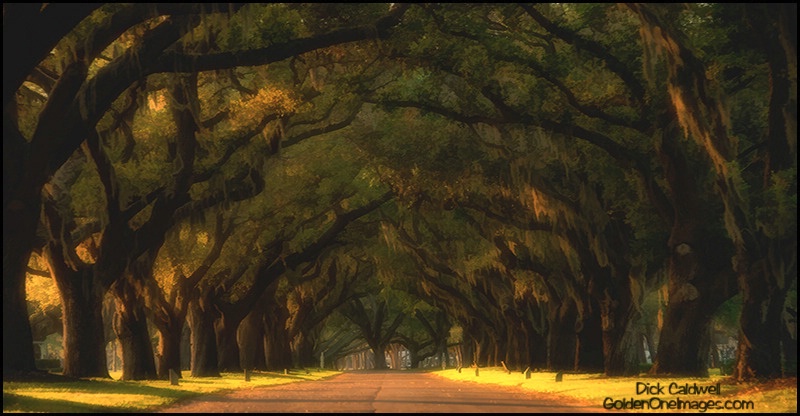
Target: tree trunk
(413, 358)
(483, 351)
(303, 350)
(535, 346)
(467, 351)
(685, 339)
(204, 342)
(759, 352)
(278, 349)
(260, 358)
(84, 340)
(82, 301)
(379, 351)
(619, 338)
(591, 358)
(21, 209)
(227, 345)
(685, 334)
(620, 351)
(169, 350)
(789, 342)
(699, 271)
(186, 348)
(251, 341)
(562, 339)
(130, 326)
(17, 335)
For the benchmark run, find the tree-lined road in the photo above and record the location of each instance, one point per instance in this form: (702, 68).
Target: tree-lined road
(380, 392)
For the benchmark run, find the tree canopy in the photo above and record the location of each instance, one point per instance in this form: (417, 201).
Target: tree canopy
(557, 184)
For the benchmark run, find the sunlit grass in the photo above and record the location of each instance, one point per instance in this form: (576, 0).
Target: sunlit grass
(103, 395)
(592, 389)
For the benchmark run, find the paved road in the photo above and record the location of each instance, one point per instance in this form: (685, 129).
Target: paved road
(379, 392)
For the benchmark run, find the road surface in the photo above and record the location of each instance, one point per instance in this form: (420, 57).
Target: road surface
(380, 392)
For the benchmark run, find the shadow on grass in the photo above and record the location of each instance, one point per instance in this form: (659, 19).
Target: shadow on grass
(55, 394)
(100, 387)
(21, 402)
(17, 403)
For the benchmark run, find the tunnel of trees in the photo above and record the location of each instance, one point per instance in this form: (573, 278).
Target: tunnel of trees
(544, 185)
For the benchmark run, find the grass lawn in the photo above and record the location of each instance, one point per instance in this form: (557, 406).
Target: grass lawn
(779, 396)
(103, 395)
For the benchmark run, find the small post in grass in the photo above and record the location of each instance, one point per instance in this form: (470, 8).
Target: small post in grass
(173, 377)
(285, 371)
(505, 368)
(247, 372)
(559, 376)
(477, 371)
(527, 373)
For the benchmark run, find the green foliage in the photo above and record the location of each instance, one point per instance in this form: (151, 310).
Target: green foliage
(727, 316)
(262, 25)
(776, 217)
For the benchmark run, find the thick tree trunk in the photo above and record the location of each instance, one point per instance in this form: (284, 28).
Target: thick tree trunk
(789, 342)
(482, 351)
(759, 352)
(130, 326)
(204, 342)
(379, 351)
(260, 358)
(413, 358)
(685, 334)
(251, 341)
(186, 348)
(278, 349)
(227, 344)
(590, 336)
(169, 350)
(84, 341)
(620, 351)
(20, 218)
(394, 356)
(699, 271)
(17, 335)
(685, 339)
(303, 351)
(442, 351)
(562, 338)
(619, 338)
(536, 350)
